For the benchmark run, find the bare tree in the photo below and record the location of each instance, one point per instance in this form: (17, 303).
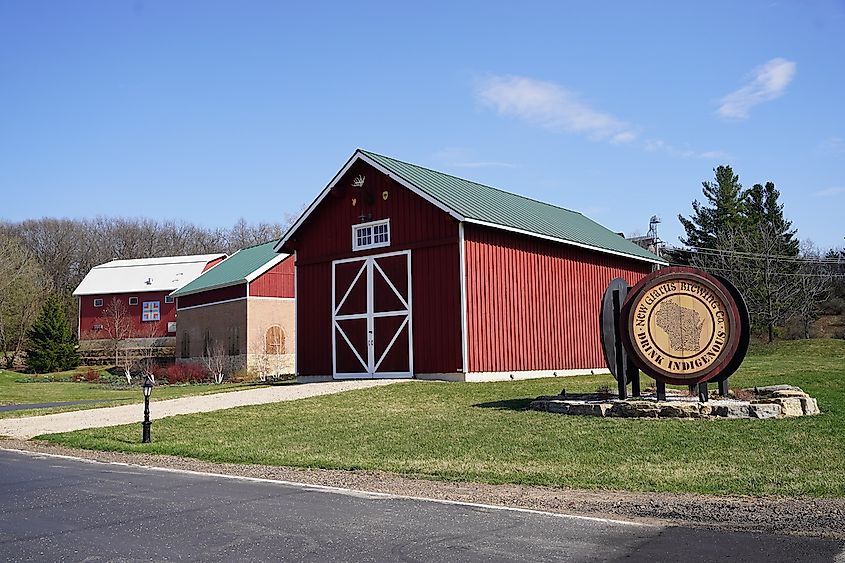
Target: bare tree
(815, 285)
(147, 350)
(118, 328)
(258, 362)
(214, 359)
(750, 259)
(23, 288)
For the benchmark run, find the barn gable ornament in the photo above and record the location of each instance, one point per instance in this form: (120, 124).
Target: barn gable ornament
(678, 325)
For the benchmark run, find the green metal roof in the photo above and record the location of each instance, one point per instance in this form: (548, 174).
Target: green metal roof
(483, 204)
(235, 269)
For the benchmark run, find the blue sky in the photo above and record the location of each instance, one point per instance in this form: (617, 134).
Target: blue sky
(211, 111)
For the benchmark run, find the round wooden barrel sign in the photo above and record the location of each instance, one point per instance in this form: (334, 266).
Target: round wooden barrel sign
(681, 326)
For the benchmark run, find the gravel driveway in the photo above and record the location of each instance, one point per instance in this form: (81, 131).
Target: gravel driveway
(28, 427)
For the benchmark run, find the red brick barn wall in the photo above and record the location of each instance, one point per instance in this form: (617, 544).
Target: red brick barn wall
(278, 281)
(432, 236)
(534, 304)
(90, 315)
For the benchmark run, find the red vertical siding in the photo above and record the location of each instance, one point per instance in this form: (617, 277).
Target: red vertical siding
(313, 319)
(432, 236)
(212, 296)
(90, 315)
(275, 282)
(534, 304)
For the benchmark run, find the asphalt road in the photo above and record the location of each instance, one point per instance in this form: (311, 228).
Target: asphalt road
(63, 509)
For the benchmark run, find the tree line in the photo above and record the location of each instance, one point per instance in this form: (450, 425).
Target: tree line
(744, 236)
(48, 257)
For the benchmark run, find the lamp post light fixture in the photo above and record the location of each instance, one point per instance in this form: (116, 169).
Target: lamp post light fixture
(148, 389)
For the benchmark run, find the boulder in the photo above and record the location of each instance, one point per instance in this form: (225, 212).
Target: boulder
(733, 410)
(810, 406)
(765, 410)
(635, 409)
(788, 393)
(771, 389)
(589, 409)
(789, 406)
(683, 410)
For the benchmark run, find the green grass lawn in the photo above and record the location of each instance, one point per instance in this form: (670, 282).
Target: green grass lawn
(13, 392)
(483, 432)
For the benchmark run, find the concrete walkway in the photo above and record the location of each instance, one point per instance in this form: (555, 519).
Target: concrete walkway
(27, 427)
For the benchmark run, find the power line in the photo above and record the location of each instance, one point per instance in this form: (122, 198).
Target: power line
(778, 257)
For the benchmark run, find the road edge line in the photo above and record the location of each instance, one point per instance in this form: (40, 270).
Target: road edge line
(339, 490)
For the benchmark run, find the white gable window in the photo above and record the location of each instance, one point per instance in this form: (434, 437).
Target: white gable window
(98, 302)
(133, 300)
(169, 298)
(371, 235)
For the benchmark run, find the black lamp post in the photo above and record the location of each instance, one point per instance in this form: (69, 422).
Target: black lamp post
(148, 389)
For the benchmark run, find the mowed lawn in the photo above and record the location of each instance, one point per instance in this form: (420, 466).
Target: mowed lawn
(14, 392)
(483, 432)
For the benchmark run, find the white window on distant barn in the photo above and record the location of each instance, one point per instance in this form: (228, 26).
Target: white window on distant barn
(98, 302)
(371, 235)
(168, 299)
(133, 300)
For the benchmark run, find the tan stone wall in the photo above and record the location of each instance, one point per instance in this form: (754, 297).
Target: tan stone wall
(252, 317)
(262, 314)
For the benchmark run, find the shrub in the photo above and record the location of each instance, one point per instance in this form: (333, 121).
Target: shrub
(91, 375)
(160, 373)
(186, 373)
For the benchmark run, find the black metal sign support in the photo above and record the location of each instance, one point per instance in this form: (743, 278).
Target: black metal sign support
(703, 392)
(661, 391)
(633, 375)
(621, 383)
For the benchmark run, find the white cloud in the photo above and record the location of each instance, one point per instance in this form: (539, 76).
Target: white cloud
(551, 106)
(659, 145)
(767, 82)
(830, 192)
(832, 145)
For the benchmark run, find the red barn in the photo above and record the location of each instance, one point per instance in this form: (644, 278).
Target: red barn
(403, 271)
(143, 288)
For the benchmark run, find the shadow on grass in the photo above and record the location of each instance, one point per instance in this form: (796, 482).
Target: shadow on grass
(509, 405)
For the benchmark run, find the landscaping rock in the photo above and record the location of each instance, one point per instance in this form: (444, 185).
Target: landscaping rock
(738, 410)
(682, 410)
(788, 393)
(810, 406)
(764, 410)
(635, 409)
(790, 406)
(560, 407)
(769, 390)
(590, 409)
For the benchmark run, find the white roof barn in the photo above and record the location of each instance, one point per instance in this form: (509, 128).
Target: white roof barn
(144, 274)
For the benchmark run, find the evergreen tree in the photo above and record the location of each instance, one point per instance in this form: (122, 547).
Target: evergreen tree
(763, 211)
(723, 213)
(51, 345)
